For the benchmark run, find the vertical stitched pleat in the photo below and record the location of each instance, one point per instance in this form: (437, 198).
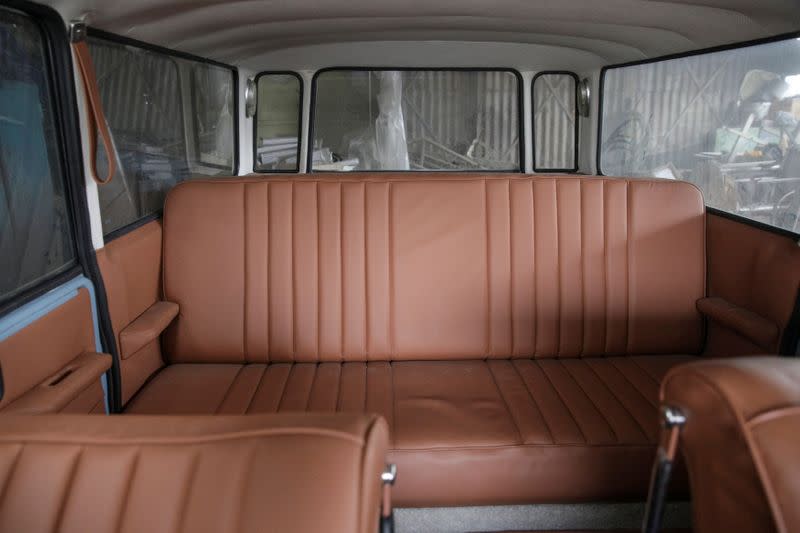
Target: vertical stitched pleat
(594, 270)
(256, 316)
(499, 268)
(186, 493)
(562, 424)
(152, 489)
(570, 281)
(325, 390)
(593, 425)
(377, 266)
(129, 481)
(353, 388)
(617, 268)
(522, 268)
(521, 406)
(545, 196)
(270, 389)
(354, 274)
(8, 466)
(242, 389)
(281, 277)
(380, 393)
(330, 272)
(512, 414)
(637, 378)
(38, 462)
(624, 425)
(229, 388)
(298, 387)
(637, 407)
(306, 264)
(102, 479)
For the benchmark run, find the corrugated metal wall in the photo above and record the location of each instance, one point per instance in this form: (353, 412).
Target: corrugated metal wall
(454, 108)
(144, 88)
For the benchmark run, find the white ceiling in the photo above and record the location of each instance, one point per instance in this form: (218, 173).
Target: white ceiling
(249, 32)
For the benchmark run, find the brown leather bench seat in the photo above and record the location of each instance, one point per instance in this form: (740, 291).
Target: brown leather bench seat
(512, 330)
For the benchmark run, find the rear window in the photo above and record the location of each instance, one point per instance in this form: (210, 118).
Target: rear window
(555, 122)
(35, 230)
(416, 120)
(171, 119)
(277, 135)
(727, 121)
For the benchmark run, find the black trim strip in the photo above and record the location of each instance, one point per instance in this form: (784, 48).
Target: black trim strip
(754, 223)
(668, 57)
(299, 121)
(136, 224)
(575, 77)
(520, 107)
(790, 343)
(128, 41)
(59, 64)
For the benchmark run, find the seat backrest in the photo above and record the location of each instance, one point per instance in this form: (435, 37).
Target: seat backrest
(740, 441)
(289, 473)
(431, 266)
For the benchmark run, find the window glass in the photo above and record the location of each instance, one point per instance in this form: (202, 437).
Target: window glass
(555, 121)
(171, 119)
(35, 235)
(726, 121)
(278, 122)
(417, 120)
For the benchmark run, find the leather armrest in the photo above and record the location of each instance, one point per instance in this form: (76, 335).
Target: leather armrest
(748, 324)
(147, 327)
(53, 395)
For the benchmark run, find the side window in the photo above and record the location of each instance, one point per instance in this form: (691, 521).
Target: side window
(555, 126)
(35, 230)
(277, 127)
(171, 119)
(727, 121)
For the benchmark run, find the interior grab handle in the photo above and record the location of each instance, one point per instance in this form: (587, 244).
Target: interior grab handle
(96, 118)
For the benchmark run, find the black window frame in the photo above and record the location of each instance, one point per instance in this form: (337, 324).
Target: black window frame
(681, 55)
(54, 40)
(300, 138)
(96, 33)
(520, 115)
(576, 154)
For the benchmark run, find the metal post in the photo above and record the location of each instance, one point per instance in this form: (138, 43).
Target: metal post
(672, 420)
(388, 478)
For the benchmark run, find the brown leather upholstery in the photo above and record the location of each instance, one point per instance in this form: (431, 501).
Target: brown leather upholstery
(463, 432)
(131, 269)
(35, 359)
(493, 320)
(407, 267)
(740, 441)
(284, 473)
(755, 270)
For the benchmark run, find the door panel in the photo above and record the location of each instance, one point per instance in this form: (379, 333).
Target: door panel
(49, 352)
(757, 271)
(131, 269)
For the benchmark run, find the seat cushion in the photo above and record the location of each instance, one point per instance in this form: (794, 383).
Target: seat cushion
(465, 432)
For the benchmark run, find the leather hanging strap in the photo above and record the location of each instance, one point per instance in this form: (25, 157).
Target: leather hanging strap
(96, 119)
